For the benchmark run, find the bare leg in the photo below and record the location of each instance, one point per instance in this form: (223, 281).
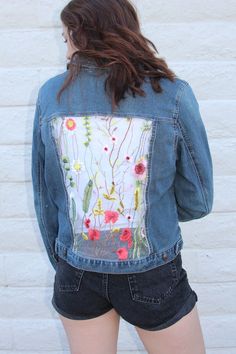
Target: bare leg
(98, 335)
(183, 337)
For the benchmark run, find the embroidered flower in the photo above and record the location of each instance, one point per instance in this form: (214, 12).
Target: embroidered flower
(115, 229)
(87, 222)
(114, 139)
(128, 158)
(111, 216)
(122, 253)
(129, 217)
(106, 148)
(94, 234)
(140, 169)
(77, 166)
(70, 124)
(126, 235)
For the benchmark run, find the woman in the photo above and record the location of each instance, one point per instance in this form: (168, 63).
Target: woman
(119, 156)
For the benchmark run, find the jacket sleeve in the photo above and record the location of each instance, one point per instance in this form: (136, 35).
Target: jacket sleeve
(46, 210)
(193, 184)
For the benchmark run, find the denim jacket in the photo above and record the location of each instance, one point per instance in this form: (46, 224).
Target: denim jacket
(111, 188)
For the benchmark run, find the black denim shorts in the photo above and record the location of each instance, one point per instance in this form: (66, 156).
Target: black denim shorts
(152, 300)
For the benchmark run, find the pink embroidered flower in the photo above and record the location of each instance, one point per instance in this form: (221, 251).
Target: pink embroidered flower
(140, 169)
(122, 253)
(106, 148)
(111, 216)
(87, 222)
(126, 235)
(70, 124)
(94, 234)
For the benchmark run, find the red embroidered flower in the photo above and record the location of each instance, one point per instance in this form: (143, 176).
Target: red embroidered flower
(122, 253)
(94, 234)
(111, 216)
(140, 169)
(126, 235)
(70, 124)
(87, 222)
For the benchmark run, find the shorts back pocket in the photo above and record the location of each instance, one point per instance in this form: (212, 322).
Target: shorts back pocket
(67, 277)
(157, 284)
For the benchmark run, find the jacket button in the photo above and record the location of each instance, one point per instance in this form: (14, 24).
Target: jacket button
(164, 256)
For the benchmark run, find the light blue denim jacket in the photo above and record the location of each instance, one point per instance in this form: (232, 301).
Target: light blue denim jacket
(110, 189)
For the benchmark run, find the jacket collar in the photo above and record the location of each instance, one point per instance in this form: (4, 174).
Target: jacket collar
(86, 62)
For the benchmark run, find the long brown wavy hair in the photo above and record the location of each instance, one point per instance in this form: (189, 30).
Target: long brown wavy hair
(109, 33)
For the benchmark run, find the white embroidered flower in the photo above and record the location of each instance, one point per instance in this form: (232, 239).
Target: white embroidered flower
(77, 166)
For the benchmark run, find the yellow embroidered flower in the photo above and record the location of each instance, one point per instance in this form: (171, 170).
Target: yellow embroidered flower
(116, 229)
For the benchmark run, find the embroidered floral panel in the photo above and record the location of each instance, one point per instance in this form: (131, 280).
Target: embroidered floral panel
(104, 160)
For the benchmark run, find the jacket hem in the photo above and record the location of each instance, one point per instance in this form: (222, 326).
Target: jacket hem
(121, 266)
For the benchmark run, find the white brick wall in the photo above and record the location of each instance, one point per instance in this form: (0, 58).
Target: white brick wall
(198, 41)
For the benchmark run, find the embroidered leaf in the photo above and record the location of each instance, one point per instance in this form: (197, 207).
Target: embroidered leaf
(122, 204)
(98, 212)
(87, 195)
(146, 127)
(136, 198)
(85, 237)
(86, 123)
(112, 188)
(65, 159)
(99, 203)
(120, 211)
(108, 197)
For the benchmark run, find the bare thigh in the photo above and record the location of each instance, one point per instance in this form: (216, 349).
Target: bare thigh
(183, 337)
(98, 335)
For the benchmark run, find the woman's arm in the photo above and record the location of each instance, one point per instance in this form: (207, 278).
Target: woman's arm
(46, 210)
(193, 183)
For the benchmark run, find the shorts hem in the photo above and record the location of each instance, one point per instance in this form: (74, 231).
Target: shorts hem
(63, 313)
(187, 307)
